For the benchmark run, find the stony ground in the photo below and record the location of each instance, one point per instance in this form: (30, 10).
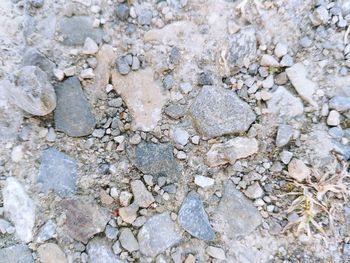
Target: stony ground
(174, 131)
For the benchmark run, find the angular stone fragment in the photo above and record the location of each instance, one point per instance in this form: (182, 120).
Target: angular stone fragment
(73, 114)
(142, 197)
(156, 159)
(158, 234)
(84, 218)
(236, 215)
(33, 57)
(193, 218)
(175, 111)
(127, 240)
(47, 231)
(19, 208)
(232, 150)
(100, 251)
(339, 103)
(76, 29)
(284, 134)
(144, 97)
(51, 253)
(298, 170)
(33, 92)
(57, 171)
(217, 111)
(16, 254)
(242, 47)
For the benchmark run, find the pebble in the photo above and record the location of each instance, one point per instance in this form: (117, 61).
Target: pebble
(135, 139)
(216, 252)
(87, 73)
(142, 196)
(298, 170)
(122, 11)
(128, 240)
(284, 135)
(90, 47)
(269, 61)
(286, 156)
(145, 17)
(116, 248)
(47, 231)
(123, 66)
(17, 153)
(51, 253)
(193, 218)
(186, 87)
(175, 111)
(339, 103)
(286, 61)
(51, 135)
(99, 250)
(168, 82)
(280, 50)
(129, 213)
(180, 136)
(333, 118)
(254, 191)
(320, 16)
(69, 72)
(125, 198)
(59, 74)
(33, 57)
(203, 181)
(135, 63)
(305, 42)
(19, 208)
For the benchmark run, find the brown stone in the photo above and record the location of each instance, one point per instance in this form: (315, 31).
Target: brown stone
(51, 253)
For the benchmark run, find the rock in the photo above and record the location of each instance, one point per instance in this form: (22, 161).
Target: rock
(36, 3)
(193, 218)
(87, 73)
(142, 197)
(305, 87)
(175, 111)
(205, 78)
(73, 114)
(284, 104)
(242, 48)
(6, 227)
(281, 49)
(76, 29)
(254, 191)
(125, 198)
(333, 118)
(168, 82)
(158, 234)
(339, 103)
(90, 47)
(51, 253)
(116, 248)
(19, 208)
(145, 100)
(122, 11)
(186, 87)
(128, 241)
(33, 57)
(99, 251)
(284, 135)
(216, 252)
(269, 61)
(129, 214)
(16, 254)
(111, 232)
(180, 136)
(84, 218)
(286, 156)
(156, 159)
(341, 149)
(145, 17)
(203, 181)
(298, 170)
(57, 171)
(47, 231)
(320, 16)
(123, 66)
(33, 92)
(286, 61)
(235, 215)
(136, 64)
(232, 150)
(217, 112)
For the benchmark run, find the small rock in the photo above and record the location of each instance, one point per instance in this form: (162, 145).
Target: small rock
(205, 78)
(298, 170)
(123, 66)
(333, 118)
(129, 214)
(17, 153)
(186, 87)
(281, 50)
(99, 251)
(254, 191)
(47, 231)
(135, 139)
(122, 11)
(135, 63)
(203, 181)
(168, 82)
(193, 218)
(33, 57)
(145, 17)
(216, 252)
(59, 74)
(125, 198)
(269, 61)
(180, 136)
(87, 73)
(141, 195)
(284, 135)
(51, 253)
(105, 198)
(175, 111)
(320, 16)
(70, 71)
(90, 47)
(190, 259)
(339, 103)
(128, 241)
(16, 254)
(286, 156)
(286, 61)
(116, 248)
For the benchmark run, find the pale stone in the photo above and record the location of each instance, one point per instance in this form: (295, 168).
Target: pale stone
(141, 195)
(87, 73)
(298, 170)
(254, 191)
(216, 252)
(51, 253)
(333, 118)
(269, 61)
(90, 47)
(204, 181)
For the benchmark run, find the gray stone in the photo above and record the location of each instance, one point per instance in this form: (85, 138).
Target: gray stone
(168, 82)
(122, 11)
(76, 29)
(217, 112)
(336, 132)
(47, 231)
(123, 66)
(99, 251)
(193, 218)
(236, 215)
(284, 135)
(33, 57)
(286, 156)
(205, 78)
(135, 63)
(287, 61)
(57, 171)
(305, 42)
(16, 254)
(73, 114)
(341, 149)
(33, 92)
(128, 241)
(145, 17)
(142, 197)
(36, 3)
(340, 103)
(156, 159)
(242, 47)
(111, 232)
(158, 234)
(84, 218)
(6, 227)
(175, 111)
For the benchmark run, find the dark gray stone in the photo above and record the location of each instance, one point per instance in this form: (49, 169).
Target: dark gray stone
(339, 103)
(33, 57)
(123, 66)
(236, 215)
(205, 78)
(84, 218)
(156, 159)
(99, 251)
(217, 111)
(76, 29)
(16, 254)
(73, 114)
(193, 218)
(57, 171)
(122, 11)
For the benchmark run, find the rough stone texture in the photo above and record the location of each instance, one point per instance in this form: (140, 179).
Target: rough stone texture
(143, 96)
(305, 87)
(99, 251)
(242, 47)
(217, 112)
(340, 103)
(33, 92)
(76, 29)
(33, 57)
(47, 231)
(298, 170)
(232, 150)
(57, 171)
(73, 114)
(284, 104)
(19, 208)
(236, 215)
(51, 253)
(193, 218)
(142, 196)
(127, 240)
(156, 159)
(16, 254)
(158, 234)
(284, 134)
(84, 218)
(175, 111)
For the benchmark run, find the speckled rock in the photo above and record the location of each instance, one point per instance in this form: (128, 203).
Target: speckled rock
(100, 251)
(16, 254)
